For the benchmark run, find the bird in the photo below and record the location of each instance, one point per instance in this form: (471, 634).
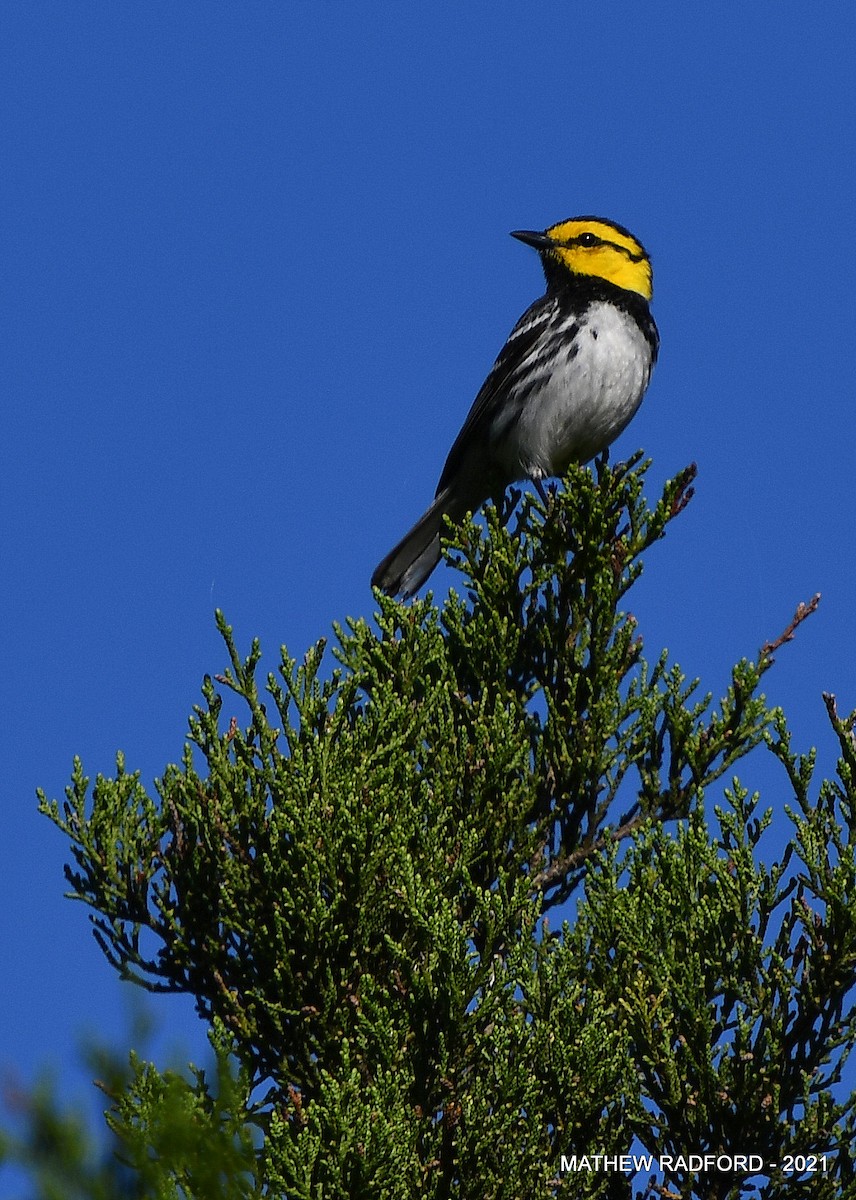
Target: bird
(568, 380)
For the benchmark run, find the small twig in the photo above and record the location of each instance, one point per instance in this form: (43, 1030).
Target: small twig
(684, 493)
(570, 862)
(803, 611)
(845, 727)
(177, 826)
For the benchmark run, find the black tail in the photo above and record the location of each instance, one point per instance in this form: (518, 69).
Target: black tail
(409, 564)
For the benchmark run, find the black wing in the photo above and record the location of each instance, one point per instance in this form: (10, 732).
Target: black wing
(520, 341)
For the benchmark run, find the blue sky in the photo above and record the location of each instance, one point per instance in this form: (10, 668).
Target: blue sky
(256, 264)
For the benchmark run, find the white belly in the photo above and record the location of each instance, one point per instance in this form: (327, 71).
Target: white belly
(595, 387)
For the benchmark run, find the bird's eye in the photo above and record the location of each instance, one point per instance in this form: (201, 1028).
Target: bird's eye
(587, 239)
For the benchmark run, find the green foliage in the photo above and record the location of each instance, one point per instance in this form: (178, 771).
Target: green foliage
(173, 1137)
(355, 881)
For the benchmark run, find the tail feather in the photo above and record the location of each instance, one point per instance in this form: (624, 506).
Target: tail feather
(409, 564)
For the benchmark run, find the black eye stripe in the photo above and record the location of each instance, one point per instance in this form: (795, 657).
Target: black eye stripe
(591, 239)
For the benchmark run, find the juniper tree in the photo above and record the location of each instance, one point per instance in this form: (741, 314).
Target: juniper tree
(474, 897)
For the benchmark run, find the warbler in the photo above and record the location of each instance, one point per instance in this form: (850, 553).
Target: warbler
(566, 383)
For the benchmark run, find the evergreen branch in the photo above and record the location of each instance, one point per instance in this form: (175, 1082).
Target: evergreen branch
(352, 867)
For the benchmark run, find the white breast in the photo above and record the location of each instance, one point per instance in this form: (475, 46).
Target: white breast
(596, 382)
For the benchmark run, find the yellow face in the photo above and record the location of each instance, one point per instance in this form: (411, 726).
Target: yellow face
(593, 246)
